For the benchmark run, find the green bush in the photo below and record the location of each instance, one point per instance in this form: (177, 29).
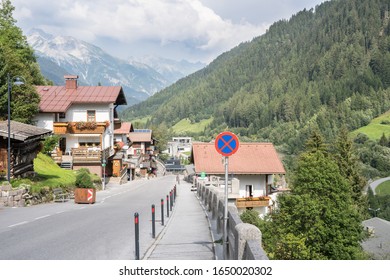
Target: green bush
(83, 179)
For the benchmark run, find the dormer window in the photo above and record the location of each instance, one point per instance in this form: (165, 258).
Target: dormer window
(91, 116)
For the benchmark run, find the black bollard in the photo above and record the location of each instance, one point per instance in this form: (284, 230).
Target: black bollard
(167, 206)
(153, 222)
(171, 201)
(162, 211)
(136, 223)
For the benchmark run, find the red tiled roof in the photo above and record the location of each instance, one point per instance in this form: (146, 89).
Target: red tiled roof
(58, 99)
(140, 136)
(125, 128)
(250, 158)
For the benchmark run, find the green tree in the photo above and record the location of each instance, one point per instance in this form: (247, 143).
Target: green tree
(349, 165)
(318, 219)
(17, 60)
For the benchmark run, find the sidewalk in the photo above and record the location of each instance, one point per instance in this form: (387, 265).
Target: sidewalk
(187, 235)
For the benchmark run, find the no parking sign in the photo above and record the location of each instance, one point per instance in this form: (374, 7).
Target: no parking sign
(226, 143)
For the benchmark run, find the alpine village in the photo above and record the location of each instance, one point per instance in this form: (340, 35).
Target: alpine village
(309, 101)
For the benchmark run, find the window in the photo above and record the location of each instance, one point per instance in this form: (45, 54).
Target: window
(91, 115)
(62, 115)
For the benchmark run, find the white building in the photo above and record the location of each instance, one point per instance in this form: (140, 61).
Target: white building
(252, 170)
(85, 118)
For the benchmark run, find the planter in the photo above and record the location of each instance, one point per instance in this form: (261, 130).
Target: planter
(82, 195)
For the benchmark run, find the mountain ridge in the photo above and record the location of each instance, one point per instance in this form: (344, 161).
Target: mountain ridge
(65, 54)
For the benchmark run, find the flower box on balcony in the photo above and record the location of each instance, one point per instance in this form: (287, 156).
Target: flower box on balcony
(252, 202)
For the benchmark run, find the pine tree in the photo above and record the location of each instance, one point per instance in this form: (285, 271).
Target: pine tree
(318, 220)
(349, 166)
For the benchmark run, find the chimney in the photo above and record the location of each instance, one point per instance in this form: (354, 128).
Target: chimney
(71, 81)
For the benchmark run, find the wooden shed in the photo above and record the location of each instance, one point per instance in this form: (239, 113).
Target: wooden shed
(25, 145)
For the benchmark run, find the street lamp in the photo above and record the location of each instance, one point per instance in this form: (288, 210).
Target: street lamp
(104, 162)
(18, 82)
(374, 210)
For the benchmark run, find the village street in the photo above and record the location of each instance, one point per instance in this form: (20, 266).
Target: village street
(69, 231)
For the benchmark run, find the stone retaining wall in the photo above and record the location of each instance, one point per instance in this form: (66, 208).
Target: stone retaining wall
(244, 240)
(12, 197)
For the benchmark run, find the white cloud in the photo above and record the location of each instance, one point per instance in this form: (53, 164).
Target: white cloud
(165, 22)
(180, 29)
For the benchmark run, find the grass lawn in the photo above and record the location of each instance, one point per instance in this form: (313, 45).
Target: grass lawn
(383, 189)
(376, 128)
(49, 174)
(185, 125)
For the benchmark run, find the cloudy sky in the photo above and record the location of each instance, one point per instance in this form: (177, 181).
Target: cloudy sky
(196, 30)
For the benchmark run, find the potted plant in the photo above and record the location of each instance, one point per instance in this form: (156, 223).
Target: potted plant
(85, 191)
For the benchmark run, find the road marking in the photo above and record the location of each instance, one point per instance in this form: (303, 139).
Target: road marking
(18, 224)
(42, 217)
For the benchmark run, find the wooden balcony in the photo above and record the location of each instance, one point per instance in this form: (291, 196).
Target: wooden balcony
(79, 127)
(252, 202)
(86, 155)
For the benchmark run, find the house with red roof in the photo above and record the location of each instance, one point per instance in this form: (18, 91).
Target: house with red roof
(252, 170)
(85, 118)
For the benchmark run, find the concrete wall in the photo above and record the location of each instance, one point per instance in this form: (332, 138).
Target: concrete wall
(244, 240)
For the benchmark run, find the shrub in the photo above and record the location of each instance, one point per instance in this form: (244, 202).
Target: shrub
(83, 180)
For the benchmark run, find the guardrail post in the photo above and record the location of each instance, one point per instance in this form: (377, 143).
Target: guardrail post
(136, 223)
(153, 222)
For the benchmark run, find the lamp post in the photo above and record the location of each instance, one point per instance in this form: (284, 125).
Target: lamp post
(375, 211)
(104, 162)
(18, 82)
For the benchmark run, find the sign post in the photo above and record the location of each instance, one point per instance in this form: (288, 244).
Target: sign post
(226, 144)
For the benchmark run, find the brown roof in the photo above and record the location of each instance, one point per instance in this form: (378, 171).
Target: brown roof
(125, 128)
(145, 136)
(250, 158)
(57, 99)
(21, 131)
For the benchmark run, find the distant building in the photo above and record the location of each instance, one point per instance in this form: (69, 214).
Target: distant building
(252, 171)
(141, 142)
(179, 147)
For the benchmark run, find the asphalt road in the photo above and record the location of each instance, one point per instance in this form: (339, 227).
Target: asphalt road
(100, 231)
(376, 183)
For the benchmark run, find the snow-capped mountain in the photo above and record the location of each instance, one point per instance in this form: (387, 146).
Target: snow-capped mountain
(60, 55)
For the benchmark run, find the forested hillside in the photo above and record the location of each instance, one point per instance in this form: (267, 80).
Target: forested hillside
(322, 68)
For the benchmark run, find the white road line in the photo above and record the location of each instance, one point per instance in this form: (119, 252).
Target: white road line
(42, 217)
(18, 224)
(60, 212)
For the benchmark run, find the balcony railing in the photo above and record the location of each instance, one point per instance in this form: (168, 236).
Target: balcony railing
(252, 202)
(83, 155)
(79, 127)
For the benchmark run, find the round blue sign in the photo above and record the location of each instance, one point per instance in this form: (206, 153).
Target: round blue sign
(226, 143)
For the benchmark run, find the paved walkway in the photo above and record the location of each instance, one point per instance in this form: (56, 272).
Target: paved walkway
(187, 234)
